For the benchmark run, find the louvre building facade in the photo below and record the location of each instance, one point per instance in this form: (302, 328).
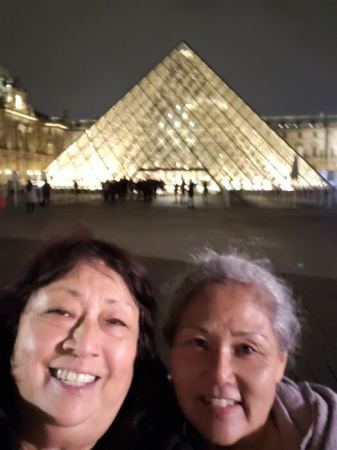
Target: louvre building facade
(29, 141)
(181, 121)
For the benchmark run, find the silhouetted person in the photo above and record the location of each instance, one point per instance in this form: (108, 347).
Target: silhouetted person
(31, 197)
(205, 191)
(46, 190)
(182, 191)
(190, 193)
(176, 190)
(76, 190)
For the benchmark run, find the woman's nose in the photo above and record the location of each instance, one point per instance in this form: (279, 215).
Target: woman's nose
(222, 370)
(83, 339)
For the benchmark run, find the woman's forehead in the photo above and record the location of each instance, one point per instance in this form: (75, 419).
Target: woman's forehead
(84, 277)
(218, 296)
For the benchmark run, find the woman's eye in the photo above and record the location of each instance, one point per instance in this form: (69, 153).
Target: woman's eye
(198, 343)
(59, 312)
(244, 350)
(117, 322)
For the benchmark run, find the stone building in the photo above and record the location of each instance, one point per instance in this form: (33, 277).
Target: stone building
(313, 137)
(29, 141)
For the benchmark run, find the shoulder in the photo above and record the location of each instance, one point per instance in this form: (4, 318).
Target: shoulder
(307, 394)
(310, 410)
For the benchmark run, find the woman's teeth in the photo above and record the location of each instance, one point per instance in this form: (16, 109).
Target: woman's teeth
(73, 378)
(221, 402)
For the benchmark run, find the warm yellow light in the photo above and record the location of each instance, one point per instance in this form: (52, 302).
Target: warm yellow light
(187, 53)
(56, 125)
(19, 104)
(21, 115)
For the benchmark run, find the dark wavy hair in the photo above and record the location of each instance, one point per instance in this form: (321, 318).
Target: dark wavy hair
(53, 261)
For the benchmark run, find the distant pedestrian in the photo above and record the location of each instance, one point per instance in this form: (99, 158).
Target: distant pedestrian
(31, 197)
(176, 190)
(46, 190)
(205, 191)
(105, 190)
(76, 190)
(190, 193)
(182, 191)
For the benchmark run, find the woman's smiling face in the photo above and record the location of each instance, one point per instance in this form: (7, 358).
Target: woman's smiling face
(75, 348)
(225, 362)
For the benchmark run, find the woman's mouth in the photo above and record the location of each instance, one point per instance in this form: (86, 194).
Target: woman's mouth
(220, 407)
(71, 378)
(220, 402)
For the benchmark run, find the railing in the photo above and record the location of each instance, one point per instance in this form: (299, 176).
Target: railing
(294, 199)
(260, 199)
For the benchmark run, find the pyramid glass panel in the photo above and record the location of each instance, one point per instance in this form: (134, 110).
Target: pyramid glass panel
(182, 120)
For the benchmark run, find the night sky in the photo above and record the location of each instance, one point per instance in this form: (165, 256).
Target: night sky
(84, 55)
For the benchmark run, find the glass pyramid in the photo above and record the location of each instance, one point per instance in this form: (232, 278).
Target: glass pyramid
(181, 121)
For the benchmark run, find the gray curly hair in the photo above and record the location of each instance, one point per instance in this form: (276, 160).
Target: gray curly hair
(277, 298)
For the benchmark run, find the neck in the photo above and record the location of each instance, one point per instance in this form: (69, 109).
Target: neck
(37, 434)
(38, 431)
(52, 439)
(29, 446)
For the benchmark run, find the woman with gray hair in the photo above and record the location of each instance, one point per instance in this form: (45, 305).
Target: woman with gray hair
(232, 328)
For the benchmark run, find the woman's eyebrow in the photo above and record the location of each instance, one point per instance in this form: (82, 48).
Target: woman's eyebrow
(109, 300)
(128, 303)
(193, 328)
(238, 333)
(249, 334)
(74, 292)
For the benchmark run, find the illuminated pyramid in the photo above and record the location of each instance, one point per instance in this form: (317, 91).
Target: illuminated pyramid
(183, 121)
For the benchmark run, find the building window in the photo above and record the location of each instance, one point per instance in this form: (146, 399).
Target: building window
(19, 104)
(299, 134)
(50, 148)
(314, 150)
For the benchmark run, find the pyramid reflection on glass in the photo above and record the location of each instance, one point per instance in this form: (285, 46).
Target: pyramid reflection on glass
(183, 121)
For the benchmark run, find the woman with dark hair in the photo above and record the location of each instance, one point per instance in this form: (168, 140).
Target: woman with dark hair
(77, 351)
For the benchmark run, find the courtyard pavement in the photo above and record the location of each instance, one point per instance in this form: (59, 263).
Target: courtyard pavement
(302, 245)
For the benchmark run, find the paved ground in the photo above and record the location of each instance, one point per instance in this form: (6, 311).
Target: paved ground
(301, 244)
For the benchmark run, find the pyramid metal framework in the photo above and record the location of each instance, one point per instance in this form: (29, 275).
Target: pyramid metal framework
(181, 121)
